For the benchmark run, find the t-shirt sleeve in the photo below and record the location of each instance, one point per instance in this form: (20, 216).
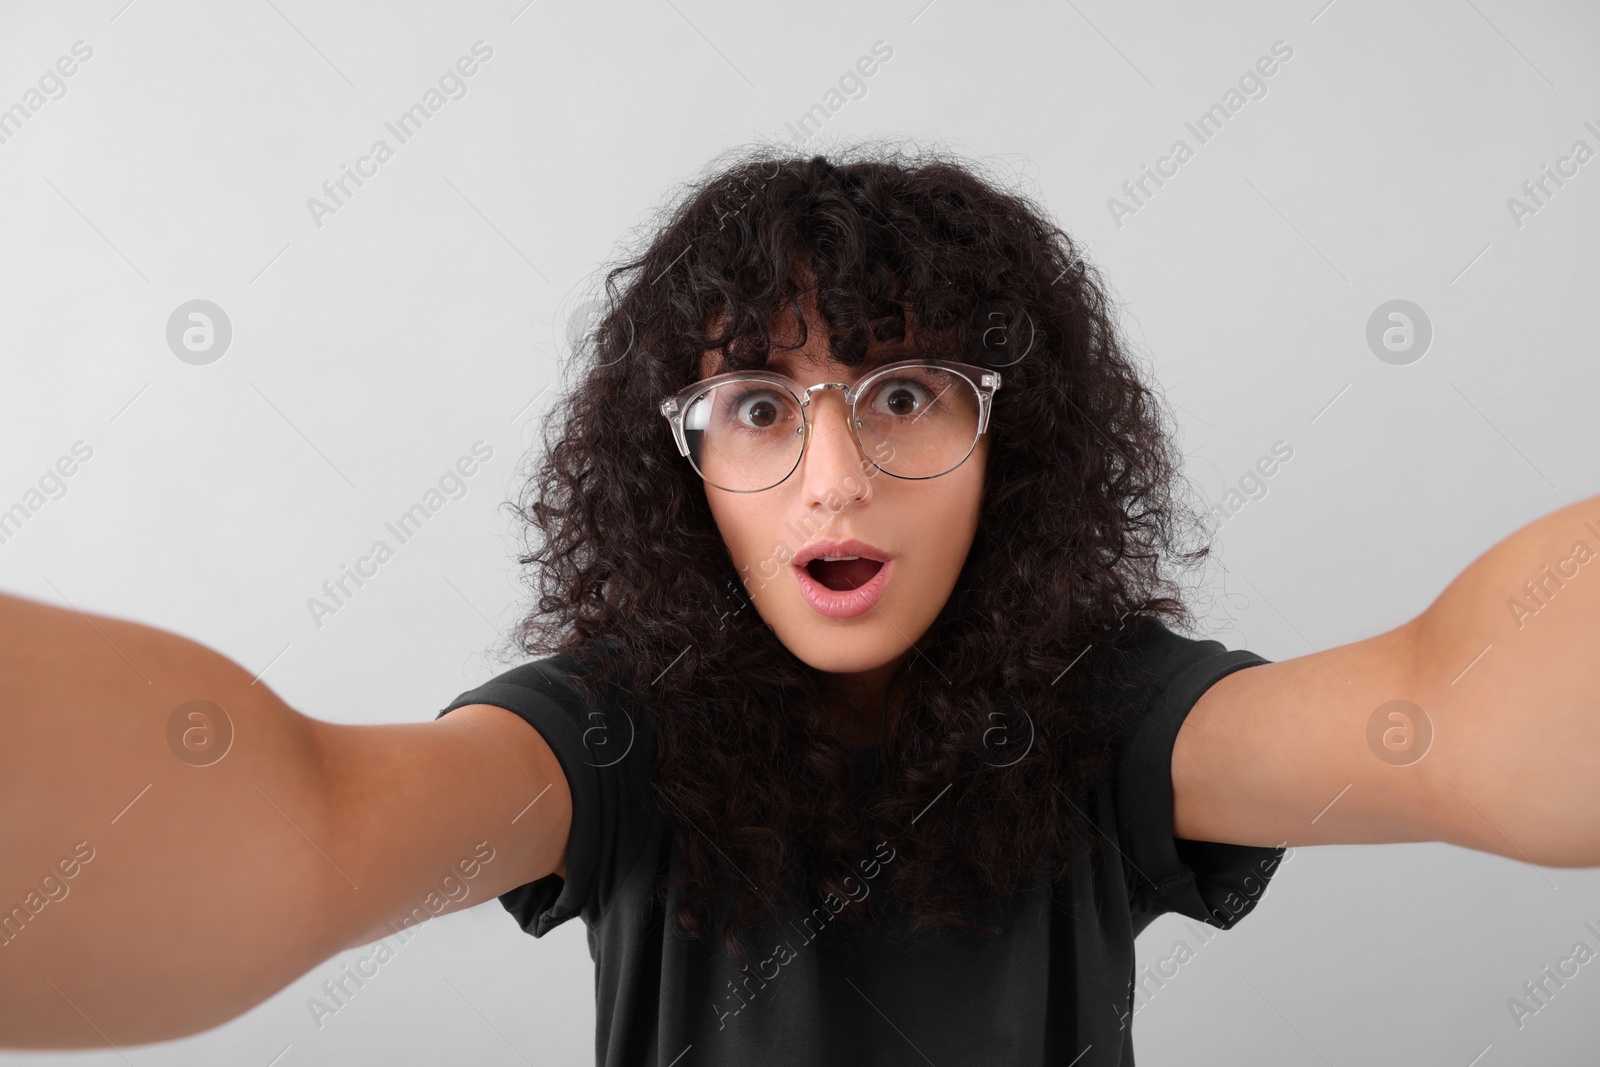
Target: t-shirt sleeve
(1211, 881)
(605, 760)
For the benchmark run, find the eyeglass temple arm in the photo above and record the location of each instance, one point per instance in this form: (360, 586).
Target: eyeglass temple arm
(669, 408)
(987, 380)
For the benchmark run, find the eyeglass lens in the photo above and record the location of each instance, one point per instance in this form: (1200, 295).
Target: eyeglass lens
(917, 422)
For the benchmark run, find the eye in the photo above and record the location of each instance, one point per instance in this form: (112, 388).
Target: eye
(759, 409)
(900, 398)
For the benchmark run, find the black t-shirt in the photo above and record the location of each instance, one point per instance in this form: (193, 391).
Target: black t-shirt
(1055, 987)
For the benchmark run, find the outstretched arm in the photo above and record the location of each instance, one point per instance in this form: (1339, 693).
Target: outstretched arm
(1477, 723)
(149, 889)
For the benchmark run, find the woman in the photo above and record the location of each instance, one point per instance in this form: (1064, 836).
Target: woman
(855, 711)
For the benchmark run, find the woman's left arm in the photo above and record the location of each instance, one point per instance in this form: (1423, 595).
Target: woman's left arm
(1477, 723)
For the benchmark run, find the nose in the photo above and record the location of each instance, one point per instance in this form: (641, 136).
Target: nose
(833, 466)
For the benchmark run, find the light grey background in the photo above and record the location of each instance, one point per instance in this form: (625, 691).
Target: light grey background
(431, 312)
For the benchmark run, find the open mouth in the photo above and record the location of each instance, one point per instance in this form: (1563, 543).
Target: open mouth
(844, 574)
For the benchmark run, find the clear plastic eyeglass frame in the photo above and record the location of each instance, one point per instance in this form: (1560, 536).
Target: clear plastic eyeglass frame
(983, 380)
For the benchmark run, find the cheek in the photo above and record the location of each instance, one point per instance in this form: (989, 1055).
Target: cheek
(758, 553)
(963, 495)
(960, 505)
(743, 529)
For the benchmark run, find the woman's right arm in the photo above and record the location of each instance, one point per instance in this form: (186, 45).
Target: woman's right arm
(149, 890)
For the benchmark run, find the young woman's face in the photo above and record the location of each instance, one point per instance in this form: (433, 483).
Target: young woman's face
(921, 529)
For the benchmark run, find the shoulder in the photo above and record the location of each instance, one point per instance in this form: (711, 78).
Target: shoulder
(550, 677)
(1154, 675)
(1159, 676)
(583, 718)
(1146, 643)
(605, 750)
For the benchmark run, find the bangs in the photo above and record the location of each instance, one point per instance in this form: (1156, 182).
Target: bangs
(782, 333)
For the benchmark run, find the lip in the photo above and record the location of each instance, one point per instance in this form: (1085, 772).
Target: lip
(848, 547)
(843, 603)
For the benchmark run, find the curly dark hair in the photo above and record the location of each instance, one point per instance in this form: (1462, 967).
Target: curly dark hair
(1078, 515)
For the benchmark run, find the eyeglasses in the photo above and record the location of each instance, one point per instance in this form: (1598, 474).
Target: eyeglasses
(746, 431)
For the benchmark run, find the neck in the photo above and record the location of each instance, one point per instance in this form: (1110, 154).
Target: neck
(862, 709)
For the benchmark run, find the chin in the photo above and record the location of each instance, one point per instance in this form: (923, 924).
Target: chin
(851, 650)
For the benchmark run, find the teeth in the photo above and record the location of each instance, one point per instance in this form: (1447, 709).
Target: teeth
(837, 559)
